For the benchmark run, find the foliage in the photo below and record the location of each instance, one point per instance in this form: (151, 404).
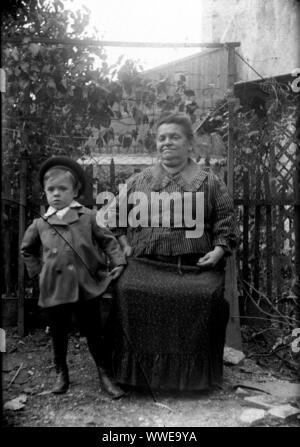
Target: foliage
(265, 153)
(11, 10)
(51, 89)
(57, 101)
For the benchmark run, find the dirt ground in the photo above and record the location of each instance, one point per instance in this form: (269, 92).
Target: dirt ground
(28, 371)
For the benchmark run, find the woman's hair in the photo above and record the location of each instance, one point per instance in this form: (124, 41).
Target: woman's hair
(56, 171)
(181, 120)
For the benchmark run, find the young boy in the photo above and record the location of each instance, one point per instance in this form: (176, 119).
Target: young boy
(72, 274)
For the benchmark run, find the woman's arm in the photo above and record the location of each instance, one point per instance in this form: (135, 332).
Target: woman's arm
(224, 226)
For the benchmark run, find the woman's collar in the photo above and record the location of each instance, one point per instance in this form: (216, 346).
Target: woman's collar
(190, 178)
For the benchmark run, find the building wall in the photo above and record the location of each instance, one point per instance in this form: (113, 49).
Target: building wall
(269, 32)
(205, 74)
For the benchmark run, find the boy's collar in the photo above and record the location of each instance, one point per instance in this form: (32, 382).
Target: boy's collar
(51, 210)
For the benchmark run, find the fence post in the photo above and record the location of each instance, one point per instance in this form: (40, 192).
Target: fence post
(245, 255)
(233, 334)
(112, 172)
(88, 194)
(269, 238)
(21, 276)
(297, 203)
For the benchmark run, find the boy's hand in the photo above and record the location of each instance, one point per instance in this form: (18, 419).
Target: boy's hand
(116, 272)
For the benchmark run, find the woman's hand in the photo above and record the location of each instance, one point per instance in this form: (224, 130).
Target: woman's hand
(211, 258)
(126, 248)
(116, 271)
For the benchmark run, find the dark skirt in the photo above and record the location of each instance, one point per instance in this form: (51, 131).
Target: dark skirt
(169, 326)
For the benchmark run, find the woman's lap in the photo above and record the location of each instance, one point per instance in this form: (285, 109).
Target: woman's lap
(170, 325)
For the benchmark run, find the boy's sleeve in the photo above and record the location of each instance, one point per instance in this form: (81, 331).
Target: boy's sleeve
(31, 250)
(108, 243)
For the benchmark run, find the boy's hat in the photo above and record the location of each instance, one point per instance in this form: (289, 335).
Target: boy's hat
(65, 163)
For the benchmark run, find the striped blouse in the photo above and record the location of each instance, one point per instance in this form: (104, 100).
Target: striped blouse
(219, 222)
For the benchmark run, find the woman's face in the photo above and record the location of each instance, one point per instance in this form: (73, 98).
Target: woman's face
(172, 145)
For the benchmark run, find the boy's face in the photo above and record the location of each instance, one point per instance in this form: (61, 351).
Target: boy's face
(60, 191)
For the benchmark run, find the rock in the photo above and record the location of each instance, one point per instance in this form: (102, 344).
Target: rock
(264, 401)
(280, 389)
(242, 391)
(252, 415)
(16, 404)
(232, 356)
(249, 366)
(22, 377)
(29, 390)
(283, 411)
(9, 364)
(44, 393)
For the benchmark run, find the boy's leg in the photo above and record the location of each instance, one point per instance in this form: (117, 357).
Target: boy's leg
(90, 319)
(59, 321)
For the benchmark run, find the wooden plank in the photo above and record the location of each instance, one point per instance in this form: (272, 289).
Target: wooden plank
(257, 223)
(7, 251)
(279, 263)
(7, 233)
(88, 194)
(230, 141)
(112, 174)
(21, 271)
(296, 184)
(280, 201)
(233, 332)
(269, 238)
(245, 268)
(115, 43)
(277, 252)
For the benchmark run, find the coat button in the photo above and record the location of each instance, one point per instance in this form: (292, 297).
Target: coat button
(71, 267)
(54, 250)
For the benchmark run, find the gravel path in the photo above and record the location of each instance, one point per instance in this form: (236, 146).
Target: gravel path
(85, 406)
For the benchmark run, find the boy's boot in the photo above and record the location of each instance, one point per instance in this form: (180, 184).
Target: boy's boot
(107, 384)
(60, 360)
(62, 381)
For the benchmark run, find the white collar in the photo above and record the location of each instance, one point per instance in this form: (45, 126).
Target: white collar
(62, 212)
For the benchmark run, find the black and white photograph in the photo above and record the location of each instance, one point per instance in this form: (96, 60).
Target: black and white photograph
(150, 218)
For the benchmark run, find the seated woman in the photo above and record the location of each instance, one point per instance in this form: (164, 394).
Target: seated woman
(170, 312)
